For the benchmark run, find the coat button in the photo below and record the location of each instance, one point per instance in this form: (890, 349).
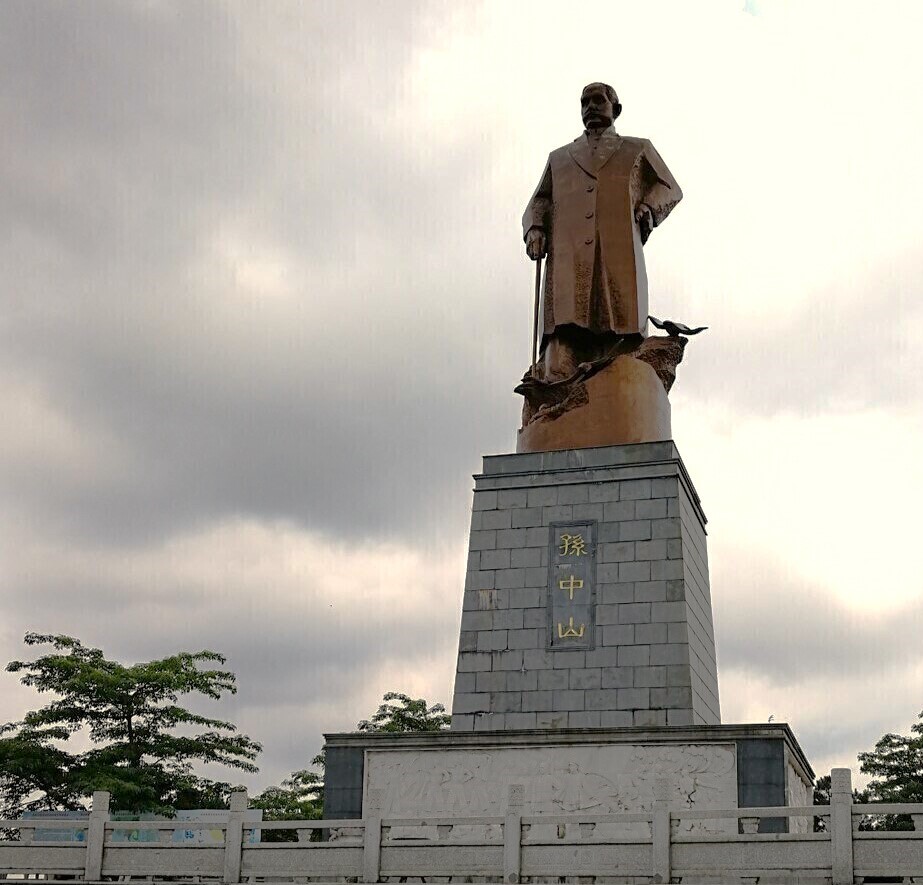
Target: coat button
(589, 215)
(590, 188)
(589, 241)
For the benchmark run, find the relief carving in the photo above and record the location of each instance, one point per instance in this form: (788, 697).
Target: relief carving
(555, 780)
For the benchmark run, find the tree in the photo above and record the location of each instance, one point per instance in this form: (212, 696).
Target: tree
(896, 766)
(822, 790)
(299, 797)
(35, 772)
(409, 714)
(143, 752)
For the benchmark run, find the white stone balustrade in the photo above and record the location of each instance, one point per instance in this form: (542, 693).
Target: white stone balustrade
(652, 846)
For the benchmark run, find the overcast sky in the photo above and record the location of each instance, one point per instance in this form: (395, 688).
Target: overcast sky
(264, 301)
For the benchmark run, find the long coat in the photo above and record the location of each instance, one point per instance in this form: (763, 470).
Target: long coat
(585, 204)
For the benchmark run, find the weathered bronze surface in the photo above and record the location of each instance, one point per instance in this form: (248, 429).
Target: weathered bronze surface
(619, 399)
(596, 204)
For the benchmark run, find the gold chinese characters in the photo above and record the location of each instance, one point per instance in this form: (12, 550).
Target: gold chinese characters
(573, 545)
(570, 630)
(570, 584)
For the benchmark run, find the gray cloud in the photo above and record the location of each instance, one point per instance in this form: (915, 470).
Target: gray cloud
(256, 264)
(785, 629)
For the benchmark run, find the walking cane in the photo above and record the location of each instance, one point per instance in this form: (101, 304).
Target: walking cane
(538, 298)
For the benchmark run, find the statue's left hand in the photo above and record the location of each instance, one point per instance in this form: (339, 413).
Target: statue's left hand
(645, 220)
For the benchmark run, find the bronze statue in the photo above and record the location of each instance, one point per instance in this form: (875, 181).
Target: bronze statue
(596, 204)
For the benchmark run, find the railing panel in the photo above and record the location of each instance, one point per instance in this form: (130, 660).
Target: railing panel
(888, 854)
(624, 859)
(751, 857)
(142, 859)
(434, 859)
(23, 858)
(292, 859)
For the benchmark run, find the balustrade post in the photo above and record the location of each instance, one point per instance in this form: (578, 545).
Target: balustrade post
(841, 831)
(234, 838)
(661, 832)
(371, 837)
(96, 836)
(512, 835)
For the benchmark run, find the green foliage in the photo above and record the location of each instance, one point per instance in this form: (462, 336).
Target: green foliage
(896, 767)
(144, 744)
(35, 772)
(822, 788)
(408, 714)
(299, 797)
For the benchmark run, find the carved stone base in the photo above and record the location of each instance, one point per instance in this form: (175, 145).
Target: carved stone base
(623, 403)
(618, 399)
(591, 770)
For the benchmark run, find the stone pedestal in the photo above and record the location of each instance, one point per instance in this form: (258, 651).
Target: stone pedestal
(624, 403)
(597, 771)
(586, 600)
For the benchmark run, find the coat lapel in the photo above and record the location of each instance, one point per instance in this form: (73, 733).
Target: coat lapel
(608, 145)
(589, 161)
(582, 155)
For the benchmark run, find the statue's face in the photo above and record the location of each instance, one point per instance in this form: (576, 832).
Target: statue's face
(597, 109)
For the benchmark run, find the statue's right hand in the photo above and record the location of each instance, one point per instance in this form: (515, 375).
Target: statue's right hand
(535, 244)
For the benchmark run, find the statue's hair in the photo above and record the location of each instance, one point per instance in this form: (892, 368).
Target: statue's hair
(610, 94)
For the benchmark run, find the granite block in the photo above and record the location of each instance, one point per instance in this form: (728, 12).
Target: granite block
(568, 699)
(574, 494)
(490, 681)
(616, 719)
(485, 500)
(583, 679)
(655, 508)
(551, 680)
(510, 619)
(588, 511)
(506, 702)
(560, 513)
(650, 677)
(635, 489)
(615, 594)
(623, 552)
(635, 571)
(649, 718)
(506, 660)
(492, 640)
(517, 680)
(543, 496)
(512, 498)
(478, 702)
(651, 634)
(643, 549)
(495, 559)
(634, 655)
(568, 660)
(618, 677)
(524, 639)
(528, 517)
(494, 519)
(633, 699)
(537, 701)
(671, 697)
(526, 557)
(483, 540)
(619, 511)
(635, 530)
(673, 653)
(635, 613)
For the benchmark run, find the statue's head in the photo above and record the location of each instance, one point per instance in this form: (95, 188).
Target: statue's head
(599, 105)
